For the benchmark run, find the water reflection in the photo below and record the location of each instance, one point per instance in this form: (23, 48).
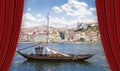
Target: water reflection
(56, 66)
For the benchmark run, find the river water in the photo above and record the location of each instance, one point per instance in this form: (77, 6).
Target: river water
(96, 63)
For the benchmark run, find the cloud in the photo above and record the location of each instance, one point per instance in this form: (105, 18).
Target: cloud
(77, 4)
(38, 15)
(29, 20)
(76, 9)
(57, 9)
(62, 22)
(79, 10)
(29, 9)
(92, 9)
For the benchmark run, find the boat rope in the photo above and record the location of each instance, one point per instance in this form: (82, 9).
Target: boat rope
(28, 47)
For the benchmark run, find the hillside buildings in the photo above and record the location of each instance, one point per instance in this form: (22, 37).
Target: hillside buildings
(38, 34)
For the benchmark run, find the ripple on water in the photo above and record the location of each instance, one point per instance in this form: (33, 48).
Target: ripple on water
(96, 63)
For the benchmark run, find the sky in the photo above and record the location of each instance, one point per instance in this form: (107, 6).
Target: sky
(61, 13)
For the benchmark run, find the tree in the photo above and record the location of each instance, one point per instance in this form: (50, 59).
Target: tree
(82, 39)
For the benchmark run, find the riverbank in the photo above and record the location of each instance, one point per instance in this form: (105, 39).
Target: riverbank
(88, 42)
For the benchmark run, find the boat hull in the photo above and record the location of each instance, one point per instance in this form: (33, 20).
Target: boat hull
(47, 57)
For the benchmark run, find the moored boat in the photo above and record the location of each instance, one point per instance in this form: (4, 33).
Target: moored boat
(51, 54)
(54, 55)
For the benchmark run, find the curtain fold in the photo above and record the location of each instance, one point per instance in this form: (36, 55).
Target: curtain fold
(10, 23)
(108, 13)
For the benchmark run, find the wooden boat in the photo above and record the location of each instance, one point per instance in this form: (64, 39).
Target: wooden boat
(53, 54)
(56, 57)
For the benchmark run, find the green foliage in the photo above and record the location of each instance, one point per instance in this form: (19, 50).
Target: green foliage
(75, 30)
(89, 28)
(82, 39)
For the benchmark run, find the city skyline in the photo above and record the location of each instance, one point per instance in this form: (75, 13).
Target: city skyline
(62, 12)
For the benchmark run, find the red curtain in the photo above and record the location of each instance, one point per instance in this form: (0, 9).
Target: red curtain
(10, 22)
(108, 12)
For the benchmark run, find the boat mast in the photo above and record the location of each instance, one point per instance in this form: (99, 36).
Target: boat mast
(66, 32)
(47, 30)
